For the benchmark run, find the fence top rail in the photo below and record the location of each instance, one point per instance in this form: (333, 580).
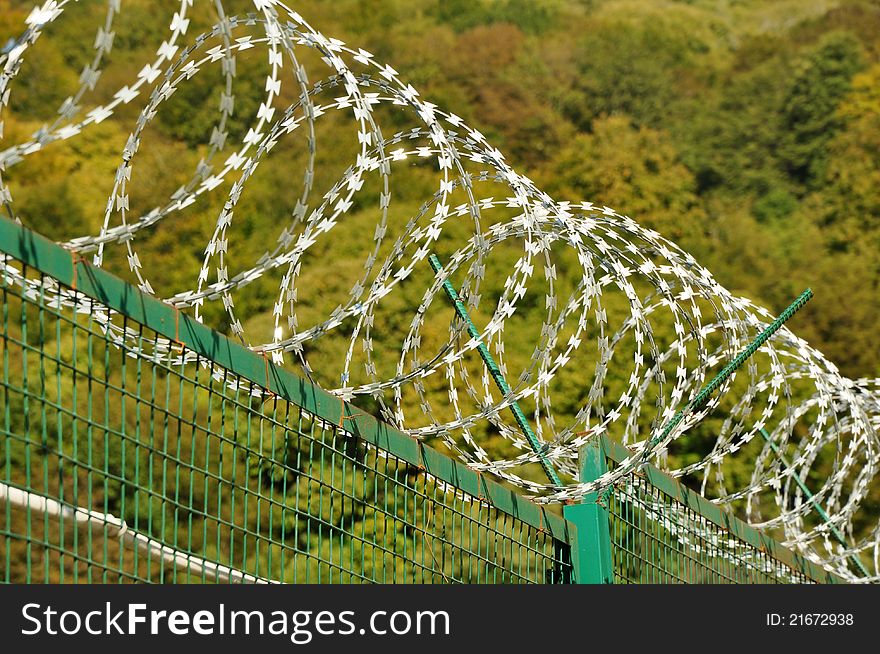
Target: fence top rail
(713, 513)
(69, 269)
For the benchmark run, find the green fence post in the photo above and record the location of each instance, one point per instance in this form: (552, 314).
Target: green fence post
(591, 541)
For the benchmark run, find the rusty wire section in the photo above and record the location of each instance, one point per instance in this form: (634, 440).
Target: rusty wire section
(640, 323)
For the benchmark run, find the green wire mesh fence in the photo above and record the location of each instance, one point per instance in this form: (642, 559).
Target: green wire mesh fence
(661, 532)
(140, 446)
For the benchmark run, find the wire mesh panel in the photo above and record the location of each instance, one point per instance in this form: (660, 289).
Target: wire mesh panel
(658, 541)
(128, 457)
(661, 532)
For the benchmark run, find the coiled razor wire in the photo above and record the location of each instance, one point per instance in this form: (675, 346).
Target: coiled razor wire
(613, 290)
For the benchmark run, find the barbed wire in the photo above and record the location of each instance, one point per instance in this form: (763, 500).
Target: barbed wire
(629, 318)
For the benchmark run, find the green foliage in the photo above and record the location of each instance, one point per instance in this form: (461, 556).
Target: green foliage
(809, 118)
(633, 167)
(531, 16)
(732, 140)
(776, 204)
(625, 69)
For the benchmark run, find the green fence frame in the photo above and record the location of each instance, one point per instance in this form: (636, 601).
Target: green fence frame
(423, 517)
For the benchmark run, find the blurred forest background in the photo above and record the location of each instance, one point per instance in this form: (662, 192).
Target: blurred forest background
(748, 131)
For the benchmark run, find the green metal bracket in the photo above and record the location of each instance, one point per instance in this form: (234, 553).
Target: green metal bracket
(495, 371)
(591, 542)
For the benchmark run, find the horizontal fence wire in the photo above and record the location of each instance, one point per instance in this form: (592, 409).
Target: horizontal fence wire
(663, 533)
(127, 458)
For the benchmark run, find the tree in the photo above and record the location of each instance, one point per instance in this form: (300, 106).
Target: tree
(486, 64)
(731, 136)
(637, 170)
(629, 68)
(846, 211)
(531, 16)
(809, 119)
